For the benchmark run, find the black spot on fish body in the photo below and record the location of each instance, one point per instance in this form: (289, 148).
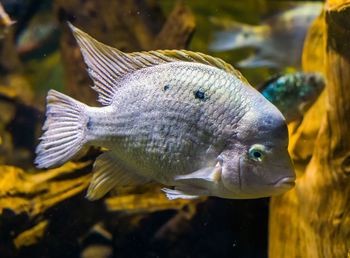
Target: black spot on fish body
(200, 94)
(166, 87)
(89, 124)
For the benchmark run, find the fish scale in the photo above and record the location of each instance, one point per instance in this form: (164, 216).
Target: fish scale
(175, 117)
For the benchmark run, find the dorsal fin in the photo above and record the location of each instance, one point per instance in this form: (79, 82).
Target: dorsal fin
(269, 81)
(107, 65)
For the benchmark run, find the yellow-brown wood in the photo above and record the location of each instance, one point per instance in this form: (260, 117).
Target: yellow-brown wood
(35, 193)
(313, 219)
(178, 29)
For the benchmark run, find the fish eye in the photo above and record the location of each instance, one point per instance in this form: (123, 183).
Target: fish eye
(256, 153)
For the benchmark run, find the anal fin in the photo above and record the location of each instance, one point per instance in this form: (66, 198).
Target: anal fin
(194, 185)
(108, 173)
(201, 177)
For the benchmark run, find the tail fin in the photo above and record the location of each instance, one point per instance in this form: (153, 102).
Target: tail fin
(237, 35)
(65, 129)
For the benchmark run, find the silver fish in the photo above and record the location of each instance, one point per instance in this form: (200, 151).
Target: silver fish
(179, 118)
(278, 40)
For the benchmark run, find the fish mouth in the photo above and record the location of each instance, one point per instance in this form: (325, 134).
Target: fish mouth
(285, 182)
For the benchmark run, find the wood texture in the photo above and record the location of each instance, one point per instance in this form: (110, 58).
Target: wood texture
(178, 29)
(313, 220)
(33, 194)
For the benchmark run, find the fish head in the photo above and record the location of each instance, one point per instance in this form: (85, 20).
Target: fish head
(257, 164)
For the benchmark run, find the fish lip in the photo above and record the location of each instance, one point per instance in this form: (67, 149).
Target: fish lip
(288, 181)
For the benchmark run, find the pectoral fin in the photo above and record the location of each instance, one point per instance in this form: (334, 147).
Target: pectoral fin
(108, 172)
(211, 174)
(194, 185)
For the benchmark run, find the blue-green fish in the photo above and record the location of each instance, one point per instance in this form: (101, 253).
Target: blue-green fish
(293, 94)
(183, 119)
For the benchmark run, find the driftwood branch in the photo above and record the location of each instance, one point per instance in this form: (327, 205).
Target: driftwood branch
(35, 193)
(178, 29)
(313, 220)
